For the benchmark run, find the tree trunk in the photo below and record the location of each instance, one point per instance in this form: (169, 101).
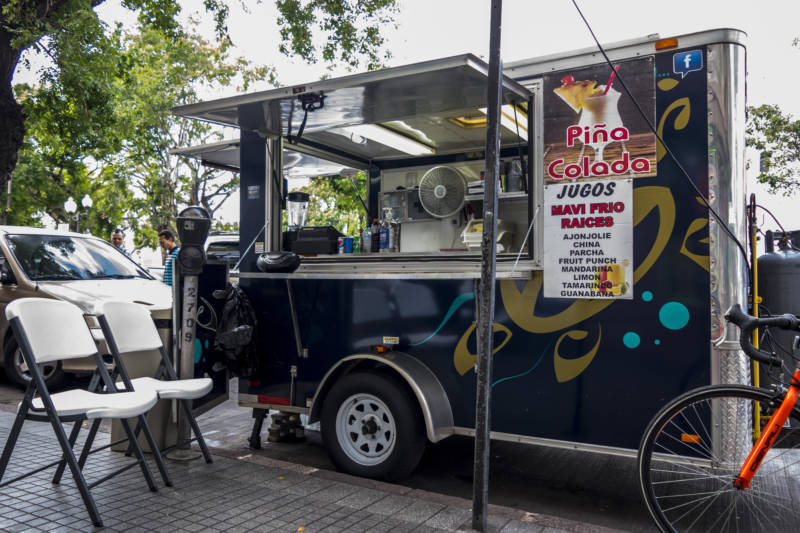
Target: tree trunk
(12, 122)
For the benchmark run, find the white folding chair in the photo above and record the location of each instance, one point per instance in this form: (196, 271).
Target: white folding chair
(129, 327)
(51, 330)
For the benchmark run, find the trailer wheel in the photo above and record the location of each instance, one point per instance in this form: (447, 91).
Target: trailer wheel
(372, 427)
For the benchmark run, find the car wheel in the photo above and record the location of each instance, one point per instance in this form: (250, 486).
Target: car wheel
(17, 371)
(372, 427)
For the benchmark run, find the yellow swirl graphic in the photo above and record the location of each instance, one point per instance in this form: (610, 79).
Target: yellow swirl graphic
(696, 225)
(521, 305)
(681, 121)
(463, 360)
(667, 84)
(567, 369)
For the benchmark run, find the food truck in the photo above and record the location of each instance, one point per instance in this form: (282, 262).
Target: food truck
(612, 277)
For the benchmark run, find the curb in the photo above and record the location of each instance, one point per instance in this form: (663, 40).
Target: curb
(508, 513)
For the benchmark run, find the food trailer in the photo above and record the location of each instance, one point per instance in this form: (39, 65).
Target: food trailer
(612, 277)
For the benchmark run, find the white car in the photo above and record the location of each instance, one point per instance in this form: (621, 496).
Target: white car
(224, 246)
(76, 268)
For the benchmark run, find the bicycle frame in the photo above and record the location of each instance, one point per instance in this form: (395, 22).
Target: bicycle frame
(769, 434)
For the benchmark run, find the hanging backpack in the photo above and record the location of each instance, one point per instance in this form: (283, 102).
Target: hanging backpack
(237, 334)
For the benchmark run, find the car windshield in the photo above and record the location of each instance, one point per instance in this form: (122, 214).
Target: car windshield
(63, 258)
(227, 251)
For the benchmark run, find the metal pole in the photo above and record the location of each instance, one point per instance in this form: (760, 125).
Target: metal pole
(188, 328)
(485, 329)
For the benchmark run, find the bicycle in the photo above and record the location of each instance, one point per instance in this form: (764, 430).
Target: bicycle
(699, 466)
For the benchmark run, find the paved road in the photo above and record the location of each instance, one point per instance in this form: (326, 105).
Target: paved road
(580, 486)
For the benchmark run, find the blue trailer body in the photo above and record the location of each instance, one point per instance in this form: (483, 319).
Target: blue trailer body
(579, 372)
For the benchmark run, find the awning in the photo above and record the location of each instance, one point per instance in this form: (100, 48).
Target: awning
(225, 155)
(421, 109)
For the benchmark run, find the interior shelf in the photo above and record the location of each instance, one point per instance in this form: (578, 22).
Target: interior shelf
(503, 196)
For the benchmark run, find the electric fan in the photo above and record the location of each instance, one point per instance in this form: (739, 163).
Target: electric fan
(441, 191)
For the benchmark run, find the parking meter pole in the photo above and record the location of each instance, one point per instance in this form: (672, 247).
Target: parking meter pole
(176, 332)
(193, 224)
(188, 331)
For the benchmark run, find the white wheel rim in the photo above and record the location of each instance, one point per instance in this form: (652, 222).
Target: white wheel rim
(47, 369)
(365, 429)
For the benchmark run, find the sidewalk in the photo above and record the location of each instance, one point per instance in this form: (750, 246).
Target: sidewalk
(234, 494)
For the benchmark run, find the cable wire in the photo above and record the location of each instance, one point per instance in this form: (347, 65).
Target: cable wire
(664, 144)
(778, 222)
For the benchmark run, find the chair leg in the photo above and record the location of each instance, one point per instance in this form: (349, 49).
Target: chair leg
(136, 432)
(196, 429)
(148, 476)
(77, 474)
(73, 436)
(12, 440)
(87, 446)
(148, 435)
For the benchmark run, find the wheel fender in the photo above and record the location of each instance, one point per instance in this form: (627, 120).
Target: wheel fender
(431, 396)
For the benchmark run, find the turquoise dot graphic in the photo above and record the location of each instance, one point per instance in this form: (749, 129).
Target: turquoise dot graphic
(631, 340)
(656, 342)
(647, 296)
(673, 315)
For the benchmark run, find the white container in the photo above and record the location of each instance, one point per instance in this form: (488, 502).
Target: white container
(473, 233)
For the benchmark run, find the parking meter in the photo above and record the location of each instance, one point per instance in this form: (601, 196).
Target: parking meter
(193, 225)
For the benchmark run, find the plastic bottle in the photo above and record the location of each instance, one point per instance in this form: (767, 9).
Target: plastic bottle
(385, 234)
(375, 236)
(366, 240)
(395, 235)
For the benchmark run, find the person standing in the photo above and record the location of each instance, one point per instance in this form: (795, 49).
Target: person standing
(166, 239)
(117, 239)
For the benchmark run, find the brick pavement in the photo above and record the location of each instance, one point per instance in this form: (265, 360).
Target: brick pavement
(236, 493)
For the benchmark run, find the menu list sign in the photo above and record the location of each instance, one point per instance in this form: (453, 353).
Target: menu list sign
(588, 239)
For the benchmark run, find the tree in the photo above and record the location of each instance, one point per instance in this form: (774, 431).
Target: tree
(777, 136)
(333, 202)
(70, 33)
(70, 124)
(164, 72)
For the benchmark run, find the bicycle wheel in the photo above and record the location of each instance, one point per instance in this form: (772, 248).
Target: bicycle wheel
(692, 452)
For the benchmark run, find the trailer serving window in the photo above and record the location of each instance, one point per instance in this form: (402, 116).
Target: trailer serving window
(416, 136)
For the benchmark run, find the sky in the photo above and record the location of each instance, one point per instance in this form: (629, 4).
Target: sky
(431, 29)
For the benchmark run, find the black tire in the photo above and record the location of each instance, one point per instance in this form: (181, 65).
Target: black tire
(13, 365)
(687, 482)
(372, 426)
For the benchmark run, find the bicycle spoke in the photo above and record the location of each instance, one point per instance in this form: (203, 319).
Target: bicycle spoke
(765, 517)
(778, 454)
(686, 444)
(686, 480)
(692, 454)
(728, 512)
(708, 500)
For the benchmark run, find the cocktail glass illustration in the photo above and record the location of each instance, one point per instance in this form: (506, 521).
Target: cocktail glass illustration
(600, 114)
(611, 280)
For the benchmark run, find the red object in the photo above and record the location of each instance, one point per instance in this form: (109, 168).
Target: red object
(567, 80)
(611, 79)
(273, 400)
(768, 436)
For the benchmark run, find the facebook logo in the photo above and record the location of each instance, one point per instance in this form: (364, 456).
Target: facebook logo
(685, 62)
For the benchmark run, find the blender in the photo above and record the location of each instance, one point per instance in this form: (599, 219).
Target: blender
(297, 210)
(302, 239)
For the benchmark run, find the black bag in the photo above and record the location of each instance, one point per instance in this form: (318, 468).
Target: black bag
(237, 334)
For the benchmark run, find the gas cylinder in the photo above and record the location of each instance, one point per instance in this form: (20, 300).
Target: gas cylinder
(779, 286)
